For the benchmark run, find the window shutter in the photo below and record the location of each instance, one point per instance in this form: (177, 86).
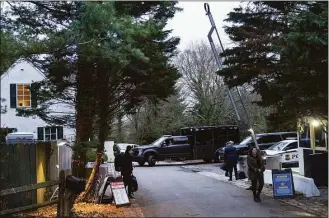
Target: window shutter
(60, 132)
(34, 95)
(40, 133)
(13, 100)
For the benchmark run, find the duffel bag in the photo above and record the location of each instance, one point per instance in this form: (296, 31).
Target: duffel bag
(224, 167)
(134, 183)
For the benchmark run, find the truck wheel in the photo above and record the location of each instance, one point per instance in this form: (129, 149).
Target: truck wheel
(207, 160)
(151, 160)
(141, 163)
(217, 158)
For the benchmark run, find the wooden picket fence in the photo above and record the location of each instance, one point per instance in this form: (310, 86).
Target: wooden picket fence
(22, 165)
(26, 188)
(63, 206)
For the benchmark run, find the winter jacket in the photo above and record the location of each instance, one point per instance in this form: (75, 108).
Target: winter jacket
(126, 164)
(230, 155)
(254, 164)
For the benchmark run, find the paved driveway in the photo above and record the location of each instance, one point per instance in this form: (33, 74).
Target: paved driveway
(171, 191)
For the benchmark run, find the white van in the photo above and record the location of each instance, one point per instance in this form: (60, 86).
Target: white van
(20, 138)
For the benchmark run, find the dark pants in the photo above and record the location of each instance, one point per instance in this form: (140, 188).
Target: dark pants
(260, 180)
(230, 167)
(127, 180)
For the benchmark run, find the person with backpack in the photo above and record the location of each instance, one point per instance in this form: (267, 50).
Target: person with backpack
(231, 159)
(225, 164)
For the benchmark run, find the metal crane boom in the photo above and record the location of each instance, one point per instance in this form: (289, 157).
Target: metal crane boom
(220, 66)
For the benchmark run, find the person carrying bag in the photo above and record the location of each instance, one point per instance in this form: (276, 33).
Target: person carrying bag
(231, 159)
(127, 170)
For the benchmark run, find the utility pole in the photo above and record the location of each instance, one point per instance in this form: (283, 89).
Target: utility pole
(220, 66)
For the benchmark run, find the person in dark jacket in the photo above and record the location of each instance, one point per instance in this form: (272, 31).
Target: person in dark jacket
(226, 168)
(250, 187)
(231, 159)
(127, 170)
(256, 172)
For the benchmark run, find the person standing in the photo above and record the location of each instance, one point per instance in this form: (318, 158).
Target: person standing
(231, 159)
(250, 187)
(226, 168)
(256, 172)
(127, 170)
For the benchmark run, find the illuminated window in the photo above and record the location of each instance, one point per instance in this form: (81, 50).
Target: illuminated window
(23, 95)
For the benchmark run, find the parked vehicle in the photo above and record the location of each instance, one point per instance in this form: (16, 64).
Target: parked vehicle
(287, 149)
(207, 139)
(119, 148)
(282, 147)
(20, 138)
(264, 141)
(173, 147)
(192, 143)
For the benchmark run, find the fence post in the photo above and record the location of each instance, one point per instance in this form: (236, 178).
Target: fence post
(61, 191)
(69, 201)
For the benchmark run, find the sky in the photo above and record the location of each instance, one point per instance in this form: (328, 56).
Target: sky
(192, 24)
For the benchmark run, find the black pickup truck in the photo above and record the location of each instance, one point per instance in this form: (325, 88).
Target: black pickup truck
(166, 147)
(193, 143)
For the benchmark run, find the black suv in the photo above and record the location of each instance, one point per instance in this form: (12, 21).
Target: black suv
(264, 141)
(173, 147)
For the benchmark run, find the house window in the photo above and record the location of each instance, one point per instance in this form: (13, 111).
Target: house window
(23, 95)
(50, 133)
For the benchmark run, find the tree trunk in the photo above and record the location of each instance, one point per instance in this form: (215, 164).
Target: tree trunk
(120, 135)
(84, 102)
(136, 126)
(84, 196)
(103, 128)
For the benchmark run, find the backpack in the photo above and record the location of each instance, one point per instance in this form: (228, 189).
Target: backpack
(118, 162)
(134, 183)
(241, 175)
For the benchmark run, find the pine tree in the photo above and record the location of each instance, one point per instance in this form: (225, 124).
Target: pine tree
(10, 51)
(282, 52)
(100, 60)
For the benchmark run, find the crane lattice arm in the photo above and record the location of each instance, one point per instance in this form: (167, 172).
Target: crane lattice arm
(219, 64)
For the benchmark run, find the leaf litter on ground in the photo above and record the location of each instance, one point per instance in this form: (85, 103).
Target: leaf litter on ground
(86, 210)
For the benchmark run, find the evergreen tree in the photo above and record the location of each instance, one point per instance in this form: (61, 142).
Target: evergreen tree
(282, 52)
(97, 59)
(10, 51)
(154, 120)
(63, 64)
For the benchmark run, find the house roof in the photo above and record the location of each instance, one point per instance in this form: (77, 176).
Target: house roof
(20, 61)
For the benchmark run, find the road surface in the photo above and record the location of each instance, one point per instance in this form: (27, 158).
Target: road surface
(171, 191)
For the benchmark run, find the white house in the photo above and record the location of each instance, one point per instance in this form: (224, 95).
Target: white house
(15, 89)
